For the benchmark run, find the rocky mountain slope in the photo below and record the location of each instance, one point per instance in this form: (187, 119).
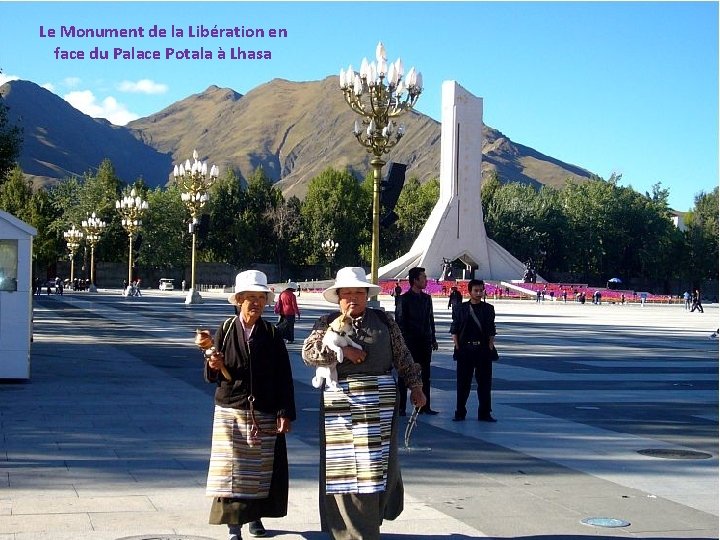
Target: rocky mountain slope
(294, 130)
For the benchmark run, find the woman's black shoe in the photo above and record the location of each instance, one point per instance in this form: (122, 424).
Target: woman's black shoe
(257, 529)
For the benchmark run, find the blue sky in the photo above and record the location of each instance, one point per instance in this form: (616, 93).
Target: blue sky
(614, 87)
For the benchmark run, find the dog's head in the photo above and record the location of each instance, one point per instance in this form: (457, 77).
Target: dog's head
(342, 324)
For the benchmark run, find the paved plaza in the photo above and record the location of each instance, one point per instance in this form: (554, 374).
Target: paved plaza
(603, 412)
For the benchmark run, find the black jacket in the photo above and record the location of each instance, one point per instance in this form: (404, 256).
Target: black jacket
(414, 315)
(465, 327)
(265, 371)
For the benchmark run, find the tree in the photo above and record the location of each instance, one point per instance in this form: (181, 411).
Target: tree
(701, 238)
(10, 142)
(165, 235)
(228, 237)
(336, 207)
(413, 208)
(287, 224)
(16, 194)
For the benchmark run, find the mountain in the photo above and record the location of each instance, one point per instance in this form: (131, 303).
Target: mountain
(60, 141)
(294, 130)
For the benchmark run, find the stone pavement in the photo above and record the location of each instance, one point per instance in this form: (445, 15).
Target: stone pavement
(604, 412)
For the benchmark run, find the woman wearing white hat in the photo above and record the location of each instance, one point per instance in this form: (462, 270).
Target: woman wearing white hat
(360, 481)
(254, 408)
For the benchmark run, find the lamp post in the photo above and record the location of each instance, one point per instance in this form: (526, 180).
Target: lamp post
(93, 227)
(131, 208)
(378, 93)
(195, 182)
(329, 248)
(72, 237)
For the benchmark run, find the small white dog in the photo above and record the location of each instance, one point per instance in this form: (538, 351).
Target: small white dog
(336, 337)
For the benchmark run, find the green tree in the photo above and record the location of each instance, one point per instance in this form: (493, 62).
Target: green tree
(10, 142)
(16, 194)
(166, 240)
(287, 225)
(261, 199)
(415, 203)
(701, 238)
(228, 237)
(337, 207)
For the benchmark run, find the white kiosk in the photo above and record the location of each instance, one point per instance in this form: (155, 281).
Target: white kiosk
(15, 296)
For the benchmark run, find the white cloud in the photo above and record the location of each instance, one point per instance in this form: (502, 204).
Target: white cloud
(48, 86)
(7, 78)
(72, 82)
(143, 86)
(109, 108)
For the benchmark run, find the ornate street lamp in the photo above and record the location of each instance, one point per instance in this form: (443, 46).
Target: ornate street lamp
(73, 238)
(379, 93)
(195, 182)
(329, 248)
(93, 227)
(131, 208)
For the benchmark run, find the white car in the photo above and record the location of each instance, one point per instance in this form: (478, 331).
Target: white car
(166, 284)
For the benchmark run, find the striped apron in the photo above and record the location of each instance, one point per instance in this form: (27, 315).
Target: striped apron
(358, 424)
(238, 470)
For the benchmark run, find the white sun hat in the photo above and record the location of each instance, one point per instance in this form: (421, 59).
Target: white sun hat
(291, 285)
(251, 281)
(349, 277)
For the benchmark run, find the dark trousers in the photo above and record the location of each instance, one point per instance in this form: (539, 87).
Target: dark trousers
(697, 305)
(471, 363)
(286, 325)
(421, 354)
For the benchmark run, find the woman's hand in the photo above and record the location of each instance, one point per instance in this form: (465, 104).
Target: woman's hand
(356, 356)
(417, 397)
(217, 361)
(283, 425)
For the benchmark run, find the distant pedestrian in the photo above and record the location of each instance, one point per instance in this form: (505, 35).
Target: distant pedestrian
(397, 291)
(687, 297)
(697, 302)
(183, 284)
(454, 299)
(287, 309)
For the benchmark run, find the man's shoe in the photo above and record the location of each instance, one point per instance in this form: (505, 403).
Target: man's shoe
(457, 418)
(257, 529)
(487, 418)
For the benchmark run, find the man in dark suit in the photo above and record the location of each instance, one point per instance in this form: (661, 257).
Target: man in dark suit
(414, 315)
(474, 351)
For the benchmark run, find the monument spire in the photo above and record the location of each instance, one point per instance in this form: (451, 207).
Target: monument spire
(455, 228)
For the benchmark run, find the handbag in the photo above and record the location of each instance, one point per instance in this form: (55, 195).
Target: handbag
(494, 356)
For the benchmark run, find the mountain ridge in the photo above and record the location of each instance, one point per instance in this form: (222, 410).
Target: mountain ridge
(294, 130)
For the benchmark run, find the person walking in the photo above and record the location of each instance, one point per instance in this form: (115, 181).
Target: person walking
(473, 333)
(254, 410)
(360, 480)
(397, 291)
(455, 298)
(697, 302)
(686, 298)
(414, 316)
(287, 309)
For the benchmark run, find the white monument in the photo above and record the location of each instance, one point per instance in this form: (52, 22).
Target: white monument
(455, 228)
